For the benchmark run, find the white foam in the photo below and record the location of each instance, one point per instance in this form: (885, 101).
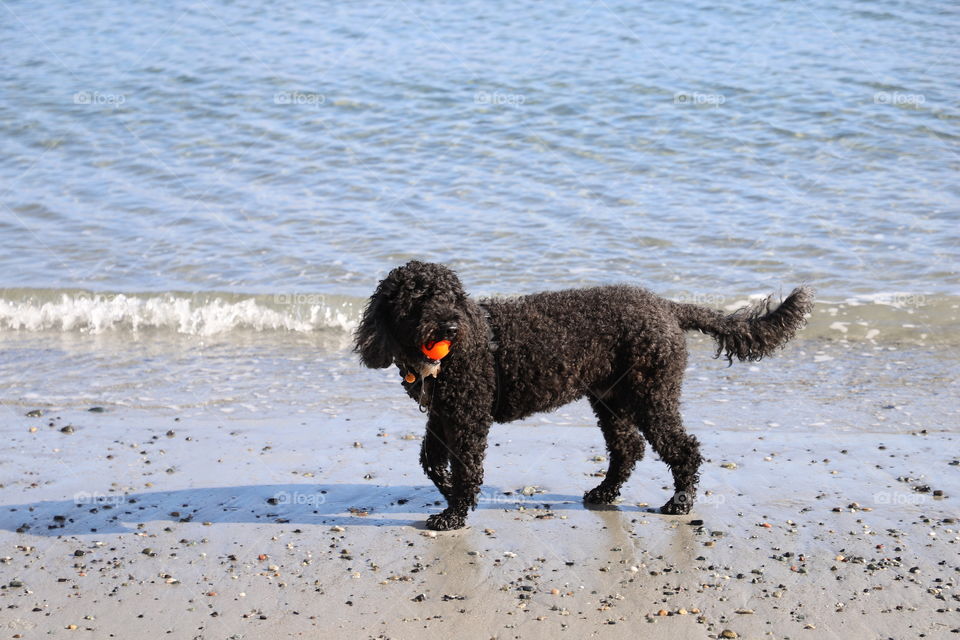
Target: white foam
(204, 316)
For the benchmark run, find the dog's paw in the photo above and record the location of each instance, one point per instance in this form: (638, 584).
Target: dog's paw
(601, 495)
(446, 520)
(676, 507)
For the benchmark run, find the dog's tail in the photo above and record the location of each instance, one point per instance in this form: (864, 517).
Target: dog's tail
(752, 332)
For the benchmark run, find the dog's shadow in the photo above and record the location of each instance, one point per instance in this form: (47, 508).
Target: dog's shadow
(306, 504)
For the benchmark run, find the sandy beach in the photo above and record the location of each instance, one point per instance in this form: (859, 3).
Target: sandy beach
(117, 526)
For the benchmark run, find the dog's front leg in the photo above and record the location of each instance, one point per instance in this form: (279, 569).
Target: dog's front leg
(435, 458)
(468, 446)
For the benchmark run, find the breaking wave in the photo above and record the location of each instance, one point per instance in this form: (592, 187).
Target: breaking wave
(186, 313)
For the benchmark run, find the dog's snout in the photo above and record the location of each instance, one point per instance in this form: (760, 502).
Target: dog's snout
(449, 329)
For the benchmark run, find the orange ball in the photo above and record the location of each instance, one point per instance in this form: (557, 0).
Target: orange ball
(436, 350)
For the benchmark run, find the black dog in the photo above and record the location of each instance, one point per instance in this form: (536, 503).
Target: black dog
(622, 347)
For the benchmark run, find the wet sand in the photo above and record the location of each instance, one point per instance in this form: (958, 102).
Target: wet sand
(133, 527)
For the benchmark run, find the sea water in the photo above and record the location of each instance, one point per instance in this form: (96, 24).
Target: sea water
(197, 198)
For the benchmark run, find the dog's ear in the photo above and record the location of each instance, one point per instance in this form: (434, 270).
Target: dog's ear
(372, 337)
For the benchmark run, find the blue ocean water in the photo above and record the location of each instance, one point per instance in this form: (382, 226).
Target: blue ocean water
(210, 167)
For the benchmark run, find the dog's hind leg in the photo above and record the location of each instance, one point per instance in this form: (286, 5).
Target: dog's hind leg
(662, 426)
(624, 448)
(435, 458)
(652, 392)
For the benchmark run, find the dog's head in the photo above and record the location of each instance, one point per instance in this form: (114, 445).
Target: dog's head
(415, 304)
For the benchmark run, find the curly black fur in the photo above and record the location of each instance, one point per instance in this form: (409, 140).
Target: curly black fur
(621, 347)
